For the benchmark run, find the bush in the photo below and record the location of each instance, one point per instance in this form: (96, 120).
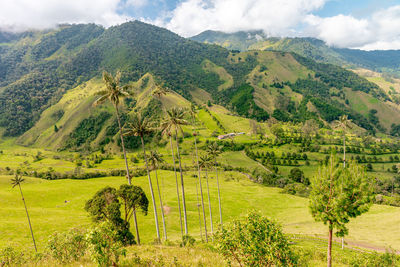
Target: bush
(375, 259)
(68, 246)
(296, 189)
(103, 244)
(11, 257)
(188, 241)
(255, 241)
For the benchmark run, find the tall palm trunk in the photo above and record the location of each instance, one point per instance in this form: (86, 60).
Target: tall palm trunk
(182, 183)
(127, 169)
(162, 207)
(177, 186)
(201, 191)
(344, 166)
(123, 145)
(151, 190)
(27, 215)
(219, 195)
(198, 211)
(344, 151)
(209, 206)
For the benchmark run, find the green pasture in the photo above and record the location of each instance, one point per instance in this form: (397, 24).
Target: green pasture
(58, 205)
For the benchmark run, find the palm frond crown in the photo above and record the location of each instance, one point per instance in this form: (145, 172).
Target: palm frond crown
(205, 161)
(138, 125)
(113, 90)
(155, 159)
(214, 150)
(174, 120)
(17, 180)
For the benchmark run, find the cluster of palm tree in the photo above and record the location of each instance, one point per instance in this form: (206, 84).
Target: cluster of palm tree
(174, 119)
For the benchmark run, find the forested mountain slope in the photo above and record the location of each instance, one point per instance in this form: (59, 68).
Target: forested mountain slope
(386, 61)
(48, 80)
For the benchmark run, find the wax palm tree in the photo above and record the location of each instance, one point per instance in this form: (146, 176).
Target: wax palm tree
(214, 150)
(114, 92)
(205, 163)
(192, 113)
(174, 120)
(16, 181)
(343, 123)
(155, 161)
(160, 91)
(140, 126)
(166, 130)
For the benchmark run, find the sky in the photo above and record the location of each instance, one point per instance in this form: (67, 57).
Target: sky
(362, 24)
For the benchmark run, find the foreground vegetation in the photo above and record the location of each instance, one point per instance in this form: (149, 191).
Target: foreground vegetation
(50, 213)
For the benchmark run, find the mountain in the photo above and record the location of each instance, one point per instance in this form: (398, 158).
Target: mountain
(48, 81)
(382, 61)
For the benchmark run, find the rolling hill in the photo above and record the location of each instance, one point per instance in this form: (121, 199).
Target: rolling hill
(49, 78)
(382, 61)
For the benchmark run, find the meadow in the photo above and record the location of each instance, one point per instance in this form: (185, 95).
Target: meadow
(59, 205)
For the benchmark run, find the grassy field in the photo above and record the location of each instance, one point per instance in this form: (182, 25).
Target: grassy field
(58, 206)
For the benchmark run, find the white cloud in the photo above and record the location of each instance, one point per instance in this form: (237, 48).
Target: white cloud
(380, 31)
(22, 14)
(340, 30)
(286, 18)
(275, 17)
(137, 3)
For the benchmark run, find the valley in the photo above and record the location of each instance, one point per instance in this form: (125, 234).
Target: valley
(80, 104)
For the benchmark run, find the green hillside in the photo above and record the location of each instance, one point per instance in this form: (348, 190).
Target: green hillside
(50, 76)
(382, 61)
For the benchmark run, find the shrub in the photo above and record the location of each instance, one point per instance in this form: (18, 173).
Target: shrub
(68, 246)
(188, 241)
(11, 257)
(255, 241)
(104, 247)
(375, 259)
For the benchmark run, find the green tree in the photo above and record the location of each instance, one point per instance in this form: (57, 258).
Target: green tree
(155, 161)
(214, 150)
(113, 93)
(105, 206)
(205, 163)
(310, 127)
(255, 241)
(297, 175)
(334, 202)
(133, 198)
(174, 120)
(16, 181)
(140, 126)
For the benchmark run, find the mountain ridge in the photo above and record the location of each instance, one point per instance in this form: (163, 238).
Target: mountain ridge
(377, 60)
(257, 85)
